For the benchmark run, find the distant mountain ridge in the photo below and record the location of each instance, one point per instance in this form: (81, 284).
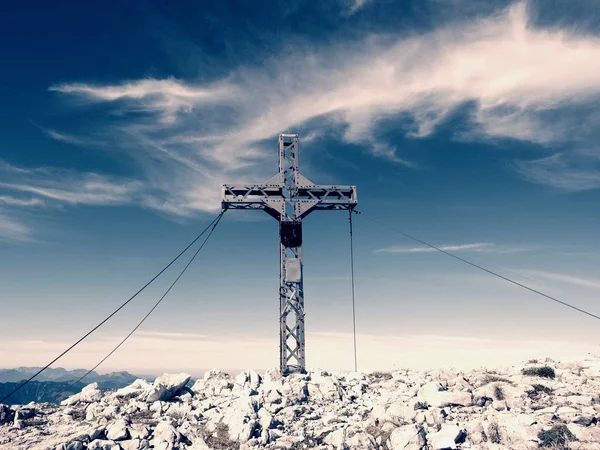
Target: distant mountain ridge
(54, 385)
(62, 375)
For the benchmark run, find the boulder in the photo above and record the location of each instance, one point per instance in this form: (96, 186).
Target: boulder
(433, 395)
(101, 444)
(407, 438)
(362, 441)
(323, 388)
(167, 386)
(133, 444)
(135, 389)
(117, 431)
(74, 445)
(89, 394)
(447, 438)
(164, 433)
(7, 414)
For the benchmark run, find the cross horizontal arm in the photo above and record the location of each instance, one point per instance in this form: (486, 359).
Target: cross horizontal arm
(252, 196)
(324, 197)
(270, 198)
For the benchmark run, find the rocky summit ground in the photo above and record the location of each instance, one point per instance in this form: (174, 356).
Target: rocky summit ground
(550, 404)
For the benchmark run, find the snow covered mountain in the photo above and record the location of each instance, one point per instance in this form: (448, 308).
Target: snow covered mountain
(548, 404)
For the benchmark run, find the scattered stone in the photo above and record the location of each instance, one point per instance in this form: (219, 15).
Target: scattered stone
(406, 409)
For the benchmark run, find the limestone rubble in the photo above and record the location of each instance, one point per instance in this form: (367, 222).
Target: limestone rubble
(401, 410)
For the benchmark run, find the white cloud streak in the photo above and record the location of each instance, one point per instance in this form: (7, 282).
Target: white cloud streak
(13, 231)
(448, 248)
(168, 96)
(13, 201)
(567, 279)
(357, 4)
(65, 186)
(575, 171)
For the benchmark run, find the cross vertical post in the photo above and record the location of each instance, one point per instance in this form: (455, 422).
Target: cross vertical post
(289, 197)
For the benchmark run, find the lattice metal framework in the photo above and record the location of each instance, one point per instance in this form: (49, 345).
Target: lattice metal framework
(289, 197)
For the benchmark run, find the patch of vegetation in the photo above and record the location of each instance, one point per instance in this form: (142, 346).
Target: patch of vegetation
(219, 439)
(377, 432)
(493, 433)
(143, 416)
(78, 414)
(558, 437)
(420, 405)
(492, 378)
(543, 372)
(538, 390)
(380, 376)
(499, 393)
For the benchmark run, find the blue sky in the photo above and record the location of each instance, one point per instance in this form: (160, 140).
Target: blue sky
(470, 124)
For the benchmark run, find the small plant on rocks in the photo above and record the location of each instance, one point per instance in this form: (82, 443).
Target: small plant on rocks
(492, 378)
(493, 434)
(558, 437)
(380, 376)
(219, 439)
(499, 393)
(538, 390)
(143, 416)
(380, 436)
(543, 372)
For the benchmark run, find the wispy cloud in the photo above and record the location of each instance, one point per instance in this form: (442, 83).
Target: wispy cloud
(357, 4)
(171, 335)
(448, 248)
(13, 231)
(194, 136)
(567, 279)
(575, 171)
(168, 97)
(52, 187)
(62, 185)
(14, 201)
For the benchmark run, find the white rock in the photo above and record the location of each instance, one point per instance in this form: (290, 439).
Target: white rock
(265, 419)
(582, 400)
(499, 405)
(167, 386)
(90, 393)
(400, 412)
(133, 444)
(433, 396)
(362, 441)
(323, 388)
(136, 388)
(401, 437)
(139, 431)
(446, 438)
(164, 433)
(117, 431)
(336, 438)
(100, 444)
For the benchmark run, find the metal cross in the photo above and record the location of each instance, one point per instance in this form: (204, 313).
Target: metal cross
(289, 197)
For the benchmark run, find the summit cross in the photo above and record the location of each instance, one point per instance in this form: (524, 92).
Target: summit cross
(289, 197)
